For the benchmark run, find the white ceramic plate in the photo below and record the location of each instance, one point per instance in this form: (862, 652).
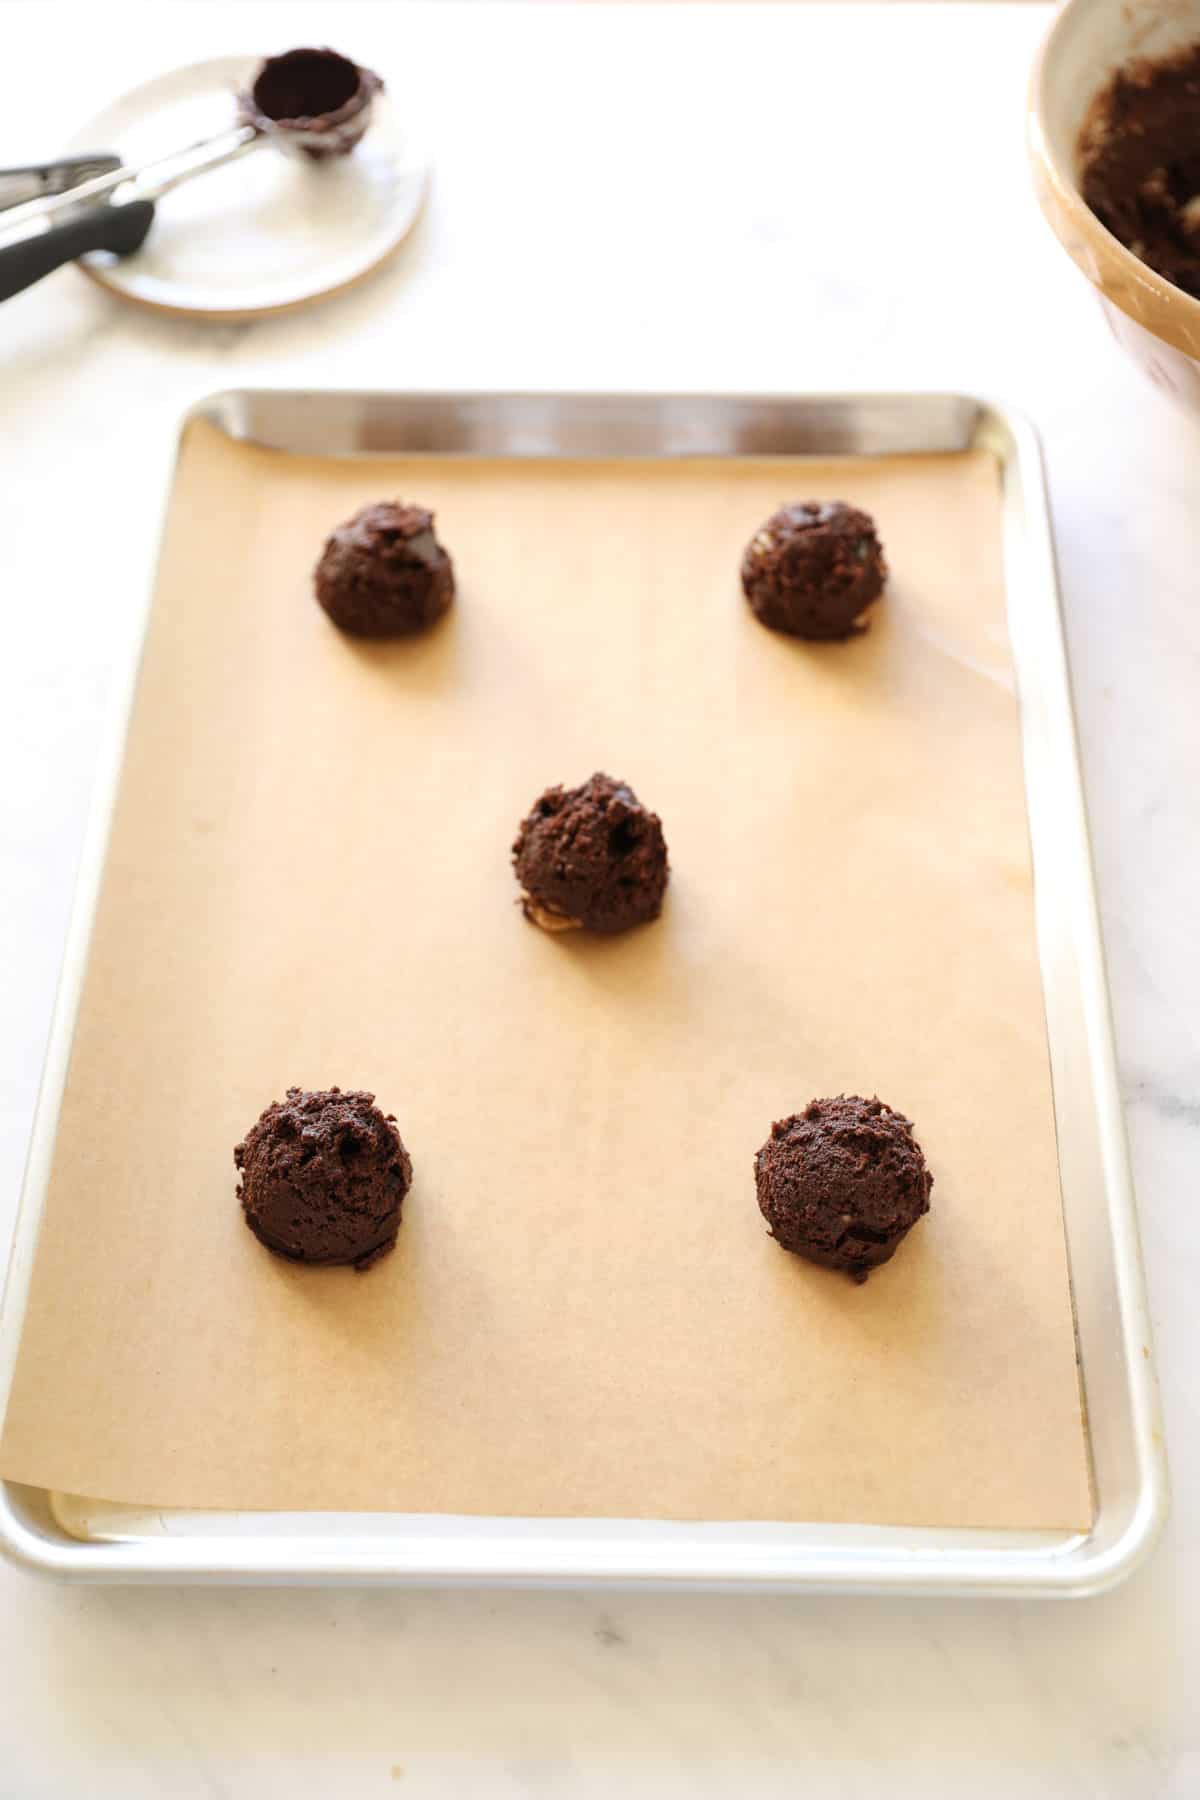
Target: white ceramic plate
(267, 231)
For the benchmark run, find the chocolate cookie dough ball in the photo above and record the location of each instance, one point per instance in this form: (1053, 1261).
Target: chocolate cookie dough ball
(324, 1176)
(383, 573)
(842, 1183)
(813, 569)
(592, 856)
(312, 101)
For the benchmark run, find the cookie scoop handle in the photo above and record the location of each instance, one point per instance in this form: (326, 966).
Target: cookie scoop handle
(119, 228)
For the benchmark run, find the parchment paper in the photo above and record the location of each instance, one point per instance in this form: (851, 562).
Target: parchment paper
(309, 883)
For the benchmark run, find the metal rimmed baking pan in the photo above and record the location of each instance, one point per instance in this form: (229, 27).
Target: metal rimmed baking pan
(71, 1537)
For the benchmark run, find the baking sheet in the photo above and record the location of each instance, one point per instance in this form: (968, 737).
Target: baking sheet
(308, 882)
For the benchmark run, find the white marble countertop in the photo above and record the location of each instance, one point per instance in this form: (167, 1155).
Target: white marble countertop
(709, 197)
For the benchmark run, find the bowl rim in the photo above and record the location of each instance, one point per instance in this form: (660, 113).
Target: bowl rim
(1184, 306)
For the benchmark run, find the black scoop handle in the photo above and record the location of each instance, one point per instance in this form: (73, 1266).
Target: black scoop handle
(121, 229)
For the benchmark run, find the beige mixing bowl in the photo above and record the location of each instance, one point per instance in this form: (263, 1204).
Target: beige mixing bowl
(1156, 322)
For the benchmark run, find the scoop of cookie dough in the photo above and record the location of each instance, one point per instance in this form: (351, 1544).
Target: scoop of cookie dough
(383, 573)
(813, 569)
(591, 856)
(324, 1177)
(842, 1183)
